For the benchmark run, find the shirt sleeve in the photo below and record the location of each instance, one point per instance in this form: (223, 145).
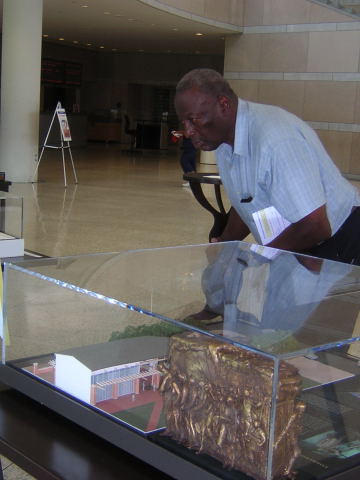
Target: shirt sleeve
(293, 179)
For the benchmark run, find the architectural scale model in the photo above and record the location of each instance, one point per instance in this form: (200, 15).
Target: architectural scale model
(114, 376)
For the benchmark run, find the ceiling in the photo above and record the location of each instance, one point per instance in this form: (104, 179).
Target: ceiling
(129, 26)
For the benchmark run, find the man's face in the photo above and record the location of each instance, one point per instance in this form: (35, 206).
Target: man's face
(203, 117)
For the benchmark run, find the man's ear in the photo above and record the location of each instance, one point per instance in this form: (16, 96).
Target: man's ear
(224, 103)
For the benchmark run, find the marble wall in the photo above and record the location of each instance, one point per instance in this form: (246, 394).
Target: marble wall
(304, 57)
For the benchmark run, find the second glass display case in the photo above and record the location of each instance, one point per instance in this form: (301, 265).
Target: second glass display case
(213, 361)
(11, 226)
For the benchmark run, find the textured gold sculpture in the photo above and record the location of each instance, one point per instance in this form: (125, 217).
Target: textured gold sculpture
(218, 401)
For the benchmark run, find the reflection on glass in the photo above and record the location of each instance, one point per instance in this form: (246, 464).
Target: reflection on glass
(282, 304)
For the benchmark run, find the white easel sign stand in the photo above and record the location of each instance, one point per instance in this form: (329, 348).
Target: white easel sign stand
(65, 139)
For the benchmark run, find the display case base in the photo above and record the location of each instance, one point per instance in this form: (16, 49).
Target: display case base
(157, 450)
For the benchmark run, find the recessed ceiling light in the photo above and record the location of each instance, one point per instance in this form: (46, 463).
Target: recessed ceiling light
(84, 6)
(107, 13)
(45, 35)
(88, 44)
(75, 41)
(61, 39)
(114, 49)
(101, 46)
(198, 34)
(175, 29)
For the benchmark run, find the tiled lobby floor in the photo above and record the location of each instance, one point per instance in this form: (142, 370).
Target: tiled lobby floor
(121, 202)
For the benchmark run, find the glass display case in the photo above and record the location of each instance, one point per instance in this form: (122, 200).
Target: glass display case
(227, 360)
(11, 226)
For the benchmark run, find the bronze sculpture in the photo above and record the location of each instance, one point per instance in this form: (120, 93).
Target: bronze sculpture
(218, 401)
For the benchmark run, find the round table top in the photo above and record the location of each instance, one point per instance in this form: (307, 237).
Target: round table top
(203, 177)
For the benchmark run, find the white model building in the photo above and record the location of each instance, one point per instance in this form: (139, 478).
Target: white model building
(95, 373)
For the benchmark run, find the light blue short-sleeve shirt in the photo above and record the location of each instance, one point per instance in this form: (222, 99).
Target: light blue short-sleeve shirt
(278, 160)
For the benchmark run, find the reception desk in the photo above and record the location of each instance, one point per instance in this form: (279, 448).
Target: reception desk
(152, 136)
(105, 131)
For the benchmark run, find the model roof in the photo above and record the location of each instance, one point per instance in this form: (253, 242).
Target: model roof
(119, 352)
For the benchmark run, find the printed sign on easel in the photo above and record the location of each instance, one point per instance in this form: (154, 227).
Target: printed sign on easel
(64, 124)
(65, 136)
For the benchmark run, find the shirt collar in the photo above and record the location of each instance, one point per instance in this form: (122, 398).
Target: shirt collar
(241, 142)
(241, 145)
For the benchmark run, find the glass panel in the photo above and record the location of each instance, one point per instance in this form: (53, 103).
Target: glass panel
(11, 226)
(86, 348)
(330, 434)
(272, 301)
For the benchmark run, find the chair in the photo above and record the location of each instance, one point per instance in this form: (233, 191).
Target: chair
(130, 131)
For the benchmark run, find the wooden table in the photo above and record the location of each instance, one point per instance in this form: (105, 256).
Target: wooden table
(48, 446)
(196, 181)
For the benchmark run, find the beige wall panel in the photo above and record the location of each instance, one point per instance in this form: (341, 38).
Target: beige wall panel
(355, 154)
(284, 52)
(334, 51)
(242, 53)
(254, 12)
(330, 101)
(196, 6)
(285, 12)
(237, 12)
(319, 14)
(246, 89)
(217, 10)
(192, 6)
(338, 146)
(181, 4)
(230, 11)
(288, 95)
(173, 3)
(357, 105)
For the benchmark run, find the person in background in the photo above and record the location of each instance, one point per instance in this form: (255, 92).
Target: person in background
(282, 184)
(119, 113)
(188, 155)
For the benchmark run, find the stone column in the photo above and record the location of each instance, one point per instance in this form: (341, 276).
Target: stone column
(20, 88)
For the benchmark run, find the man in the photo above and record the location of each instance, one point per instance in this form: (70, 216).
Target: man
(281, 183)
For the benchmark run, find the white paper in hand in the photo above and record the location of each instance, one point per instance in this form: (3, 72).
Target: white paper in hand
(269, 223)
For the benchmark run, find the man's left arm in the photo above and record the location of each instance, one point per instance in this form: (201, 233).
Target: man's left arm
(306, 233)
